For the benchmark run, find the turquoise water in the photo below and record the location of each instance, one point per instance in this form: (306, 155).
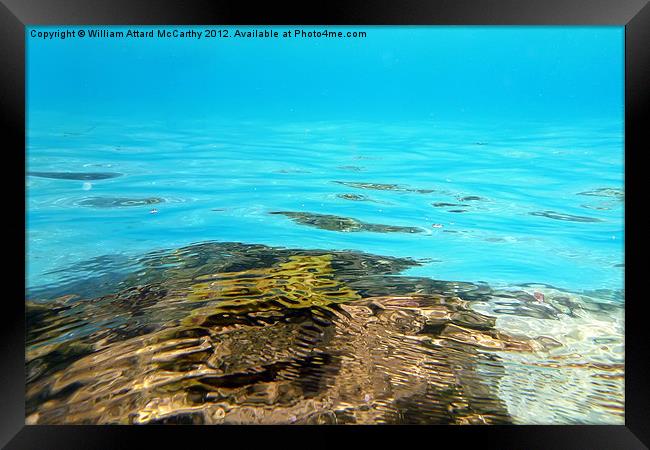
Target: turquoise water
(224, 131)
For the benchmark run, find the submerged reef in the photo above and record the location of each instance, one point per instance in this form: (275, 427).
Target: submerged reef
(444, 204)
(610, 198)
(228, 333)
(384, 187)
(344, 224)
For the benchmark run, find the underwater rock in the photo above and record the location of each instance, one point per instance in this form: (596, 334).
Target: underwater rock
(383, 187)
(343, 224)
(75, 175)
(118, 202)
(469, 198)
(227, 333)
(560, 216)
(194, 261)
(374, 186)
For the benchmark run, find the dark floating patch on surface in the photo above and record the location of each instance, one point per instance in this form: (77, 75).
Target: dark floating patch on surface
(286, 329)
(457, 210)
(291, 171)
(118, 202)
(600, 207)
(76, 175)
(117, 272)
(567, 217)
(374, 186)
(471, 198)
(343, 224)
(605, 192)
(443, 204)
(383, 187)
(78, 133)
(355, 197)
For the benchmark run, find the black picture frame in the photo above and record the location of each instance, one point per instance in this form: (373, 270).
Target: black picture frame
(16, 14)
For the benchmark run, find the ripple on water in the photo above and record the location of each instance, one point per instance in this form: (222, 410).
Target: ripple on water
(354, 197)
(606, 192)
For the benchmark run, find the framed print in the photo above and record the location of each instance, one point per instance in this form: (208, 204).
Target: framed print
(379, 218)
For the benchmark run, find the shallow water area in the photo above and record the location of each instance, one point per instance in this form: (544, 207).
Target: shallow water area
(464, 351)
(423, 225)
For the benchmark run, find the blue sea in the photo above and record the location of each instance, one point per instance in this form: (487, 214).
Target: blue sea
(489, 155)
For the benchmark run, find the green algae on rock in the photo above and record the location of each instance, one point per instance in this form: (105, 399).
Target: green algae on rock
(443, 204)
